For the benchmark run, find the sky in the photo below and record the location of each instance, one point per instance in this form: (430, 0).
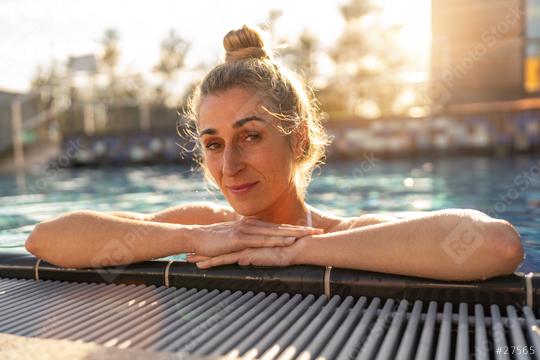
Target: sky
(34, 33)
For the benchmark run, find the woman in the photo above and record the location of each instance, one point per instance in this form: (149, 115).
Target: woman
(260, 137)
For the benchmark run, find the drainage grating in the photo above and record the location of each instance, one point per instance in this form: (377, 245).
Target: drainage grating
(265, 325)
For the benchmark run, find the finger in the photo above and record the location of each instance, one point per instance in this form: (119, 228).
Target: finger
(267, 240)
(225, 259)
(280, 230)
(196, 258)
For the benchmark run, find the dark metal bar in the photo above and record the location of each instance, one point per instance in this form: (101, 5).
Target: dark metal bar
(517, 335)
(405, 350)
(319, 340)
(226, 343)
(499, 339)
(231, 317)
(235, 326)
(178, 339)
(263, 326)
(179, 309)
(337, 342)
(462, 344)
(481, 344)
(428, 333)
(242, 346)
(295, 330)
(443, 343)
(506, 290)
(280, 328)
(93, 309)
(388, 347)
(353, 345)
(302, 340)
(377, 333)
(533, 330)
(19, 322)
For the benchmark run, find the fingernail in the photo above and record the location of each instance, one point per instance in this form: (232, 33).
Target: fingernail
(291, 238)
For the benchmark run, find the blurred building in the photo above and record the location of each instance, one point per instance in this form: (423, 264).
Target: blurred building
(29, 110)
(484, 50)
(484, 89)
(484, 96)
(5, 120)
(28, 138)
(124, 133)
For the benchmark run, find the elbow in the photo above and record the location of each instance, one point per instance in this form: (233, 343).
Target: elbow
(494, 244)
(34, 242)
(37, 244)
(508, 251)
(47, 241)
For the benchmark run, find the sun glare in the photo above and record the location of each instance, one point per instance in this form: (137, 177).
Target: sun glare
(415, 18)
(35, 30)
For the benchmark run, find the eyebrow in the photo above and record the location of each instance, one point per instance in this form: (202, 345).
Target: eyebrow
(237, 124)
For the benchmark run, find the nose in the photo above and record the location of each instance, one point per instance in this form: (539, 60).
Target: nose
(232, 161)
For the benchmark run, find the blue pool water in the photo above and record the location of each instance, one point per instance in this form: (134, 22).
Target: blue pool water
(506, 188)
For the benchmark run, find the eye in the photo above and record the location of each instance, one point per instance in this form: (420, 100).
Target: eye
(252, 137)
(212, 146)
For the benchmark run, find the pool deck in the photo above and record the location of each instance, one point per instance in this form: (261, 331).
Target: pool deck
(15, 347)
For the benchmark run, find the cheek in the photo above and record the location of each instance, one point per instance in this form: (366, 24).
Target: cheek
(277, 159)
(212, 166)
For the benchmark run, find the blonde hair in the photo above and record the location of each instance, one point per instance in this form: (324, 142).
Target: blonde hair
(249, 65)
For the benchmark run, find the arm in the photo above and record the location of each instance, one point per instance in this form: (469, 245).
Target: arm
(369, 219)
(454, 244)
(200, 213)
(93, 239)
(96, 239)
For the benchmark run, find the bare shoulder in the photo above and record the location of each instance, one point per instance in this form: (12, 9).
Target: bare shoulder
(199, 213)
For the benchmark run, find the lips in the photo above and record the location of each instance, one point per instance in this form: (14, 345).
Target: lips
(238, 189)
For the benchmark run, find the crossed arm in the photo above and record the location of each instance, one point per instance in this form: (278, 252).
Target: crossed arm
(96, 239)
(453, 244)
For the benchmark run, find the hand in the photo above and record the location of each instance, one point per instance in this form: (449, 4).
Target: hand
(268, 256)
(234, 236)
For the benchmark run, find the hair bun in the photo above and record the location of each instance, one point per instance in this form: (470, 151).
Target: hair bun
(244, 43)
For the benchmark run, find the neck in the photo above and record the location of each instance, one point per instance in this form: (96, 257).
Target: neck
(289, 208)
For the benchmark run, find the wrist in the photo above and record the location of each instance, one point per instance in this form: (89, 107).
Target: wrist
(186, 238)
(299, 250)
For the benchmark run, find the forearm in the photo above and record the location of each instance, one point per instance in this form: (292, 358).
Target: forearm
(128, 215)
(92, 239)
(440, 245)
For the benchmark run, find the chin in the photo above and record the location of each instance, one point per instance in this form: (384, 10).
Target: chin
(249, 206)
(246, 209)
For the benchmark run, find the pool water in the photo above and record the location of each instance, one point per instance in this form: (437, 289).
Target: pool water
(507, 188)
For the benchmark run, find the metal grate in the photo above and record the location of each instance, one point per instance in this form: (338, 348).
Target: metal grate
(264, 325)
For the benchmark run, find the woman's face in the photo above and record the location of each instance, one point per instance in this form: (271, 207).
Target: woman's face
(246, 155)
